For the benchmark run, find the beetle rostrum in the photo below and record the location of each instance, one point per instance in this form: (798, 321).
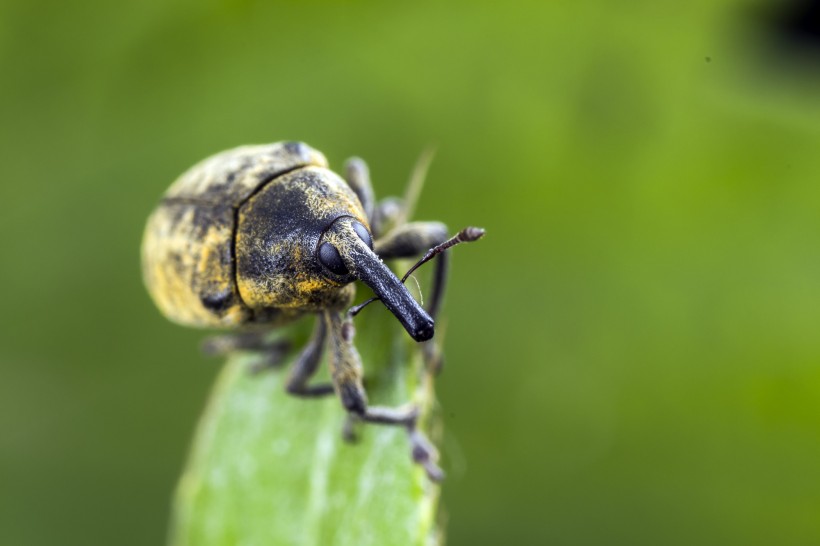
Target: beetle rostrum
(258, 236)
(357, 257)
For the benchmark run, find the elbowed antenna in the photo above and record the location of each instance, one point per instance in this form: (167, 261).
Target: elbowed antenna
(466, 235)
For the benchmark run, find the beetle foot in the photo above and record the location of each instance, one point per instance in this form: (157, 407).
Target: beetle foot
(422, 451)
(426, 455)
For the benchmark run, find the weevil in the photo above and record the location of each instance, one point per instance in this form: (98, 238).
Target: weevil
(255, 237)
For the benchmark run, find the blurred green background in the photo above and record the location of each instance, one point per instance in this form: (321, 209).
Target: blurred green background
(633, 351)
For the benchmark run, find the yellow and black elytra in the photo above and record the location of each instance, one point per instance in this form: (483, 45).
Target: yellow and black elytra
(258, 236)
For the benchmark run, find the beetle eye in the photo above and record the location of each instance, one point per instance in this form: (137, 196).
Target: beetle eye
(363, 234)
(331, 259)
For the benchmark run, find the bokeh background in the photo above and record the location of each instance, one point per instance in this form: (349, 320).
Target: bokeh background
(633, 351)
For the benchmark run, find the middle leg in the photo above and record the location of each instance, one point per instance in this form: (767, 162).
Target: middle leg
(306, 366)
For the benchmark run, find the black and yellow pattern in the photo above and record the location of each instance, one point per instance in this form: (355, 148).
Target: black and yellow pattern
(190, 253)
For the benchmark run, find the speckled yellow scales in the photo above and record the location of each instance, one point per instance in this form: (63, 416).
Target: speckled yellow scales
(189, 248)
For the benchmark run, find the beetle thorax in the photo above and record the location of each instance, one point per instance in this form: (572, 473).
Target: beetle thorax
(277, 234)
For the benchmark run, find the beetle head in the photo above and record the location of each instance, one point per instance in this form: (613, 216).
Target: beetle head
(345, 250)
(303, 239)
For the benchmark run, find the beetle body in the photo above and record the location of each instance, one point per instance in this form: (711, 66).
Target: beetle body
(226, 247)
(258, 236)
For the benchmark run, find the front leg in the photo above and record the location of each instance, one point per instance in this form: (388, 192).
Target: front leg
(391, 212)
(382, 215)
(346, 370)
(306, 365)
(357, 176)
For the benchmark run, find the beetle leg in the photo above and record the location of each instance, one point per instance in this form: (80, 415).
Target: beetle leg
(390, 212)
(386, 215)
(410, 239)
(381, 216)
(357, 176)
(306, 366)
(271, 352)
(346, 370)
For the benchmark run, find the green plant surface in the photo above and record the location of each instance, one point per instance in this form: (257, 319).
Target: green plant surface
(267, 468)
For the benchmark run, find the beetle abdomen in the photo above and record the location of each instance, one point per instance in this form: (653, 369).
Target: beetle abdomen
(188, 251)
(188, 264)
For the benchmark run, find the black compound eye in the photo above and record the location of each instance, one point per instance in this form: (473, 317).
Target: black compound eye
(363, 234)
(331, 259)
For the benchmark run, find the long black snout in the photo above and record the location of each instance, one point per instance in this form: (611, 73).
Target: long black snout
(365, 265)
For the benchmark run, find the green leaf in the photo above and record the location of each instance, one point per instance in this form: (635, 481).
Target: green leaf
(267, 468)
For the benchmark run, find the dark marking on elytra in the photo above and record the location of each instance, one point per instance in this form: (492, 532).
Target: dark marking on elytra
(222, 188)
(296, 148)
(176, 263)
(218, 301)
